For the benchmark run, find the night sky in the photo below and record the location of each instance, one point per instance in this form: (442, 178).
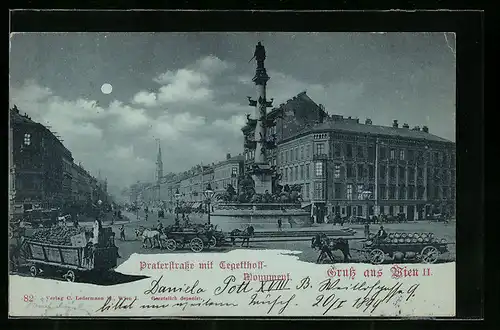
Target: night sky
(189, 90)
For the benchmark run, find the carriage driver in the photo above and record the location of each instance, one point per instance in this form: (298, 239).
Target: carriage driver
(381, 234)
(159, 226)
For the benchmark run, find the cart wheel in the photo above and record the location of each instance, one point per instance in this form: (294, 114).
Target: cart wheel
(170, 244)
(429, 254)
(196, 244)
(212, 242)
(377, 256)
(33, 271)
(70, 276)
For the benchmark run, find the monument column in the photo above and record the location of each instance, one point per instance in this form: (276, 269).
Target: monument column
(261, 171)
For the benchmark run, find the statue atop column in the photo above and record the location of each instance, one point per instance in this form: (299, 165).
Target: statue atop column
(260, 55)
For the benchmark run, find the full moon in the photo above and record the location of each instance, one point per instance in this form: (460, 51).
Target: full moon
(106, 88)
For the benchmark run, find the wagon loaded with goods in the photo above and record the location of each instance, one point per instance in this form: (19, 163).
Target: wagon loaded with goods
(197, 237)
(72, 251)
(423, 247)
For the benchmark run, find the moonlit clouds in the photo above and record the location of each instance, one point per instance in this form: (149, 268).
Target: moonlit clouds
(189, 90)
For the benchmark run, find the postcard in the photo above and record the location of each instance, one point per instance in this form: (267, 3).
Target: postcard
(232, 175)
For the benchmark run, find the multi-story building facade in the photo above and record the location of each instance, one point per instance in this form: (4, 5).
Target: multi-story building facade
(296, 115)
(227, 173)
(42, 170)
(364, 169)
(39, 164)
(192, 187)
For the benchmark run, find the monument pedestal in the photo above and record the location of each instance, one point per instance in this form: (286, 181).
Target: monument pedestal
(262, 177)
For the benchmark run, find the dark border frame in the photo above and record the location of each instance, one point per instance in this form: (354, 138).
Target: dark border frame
(469, 26)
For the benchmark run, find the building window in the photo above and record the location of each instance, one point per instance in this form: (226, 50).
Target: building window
(296, 173)
(411, 192)
(371, 153)
(392, 192)
(286, 157)
(402, 173)
(411, 155)
(382, 153)
(336, 173)
(436, 192)
(420, 193)
(445, 192)
(349, 151)
(349, 191)
(371, 173)
(401, 154)
(382, 171)
(27, 139)
(360, 192)
(291, 174)
(307, 151)
(234, 171)
(360, 152)
(308, 170)
(318, 190)
(319, 169)
(338, 190)
(392, 172)
(302, 172)
(402, 192)
(301, 153)
(436, 158)
(336, 148)
(282, 157)
(420, 173)
(350, 171)
(393, 154)
(296, 153)
(361, 173)
(383, 191)
(320, 148)
(411, 174)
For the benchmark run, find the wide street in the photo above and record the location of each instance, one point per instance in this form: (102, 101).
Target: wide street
(134, 244)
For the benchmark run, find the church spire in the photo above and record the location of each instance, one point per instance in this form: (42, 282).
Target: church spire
(159, 163)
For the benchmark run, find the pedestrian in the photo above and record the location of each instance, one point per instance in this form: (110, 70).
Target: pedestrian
(290, 221)
(279, 224)
(122, 233)
(367, 230)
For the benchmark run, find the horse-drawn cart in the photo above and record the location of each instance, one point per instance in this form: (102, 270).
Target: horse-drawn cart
(196, 237)
(423, 247)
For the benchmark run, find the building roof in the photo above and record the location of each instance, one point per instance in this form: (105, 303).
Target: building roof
(353, 127)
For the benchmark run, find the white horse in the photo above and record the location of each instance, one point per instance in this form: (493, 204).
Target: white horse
(150, 235)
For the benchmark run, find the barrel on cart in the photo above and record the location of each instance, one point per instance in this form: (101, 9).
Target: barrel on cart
(423, 247)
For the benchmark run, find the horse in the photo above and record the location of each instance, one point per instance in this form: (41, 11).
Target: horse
(246, 234)
(326, 246)
(150, 235)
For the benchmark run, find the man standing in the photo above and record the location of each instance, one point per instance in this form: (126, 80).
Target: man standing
(367, 230)
(122, 233)
(279, 224)
(290, 221)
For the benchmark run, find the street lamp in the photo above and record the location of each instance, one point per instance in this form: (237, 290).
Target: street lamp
(209, 193)
(366, 194)
(177, 196)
